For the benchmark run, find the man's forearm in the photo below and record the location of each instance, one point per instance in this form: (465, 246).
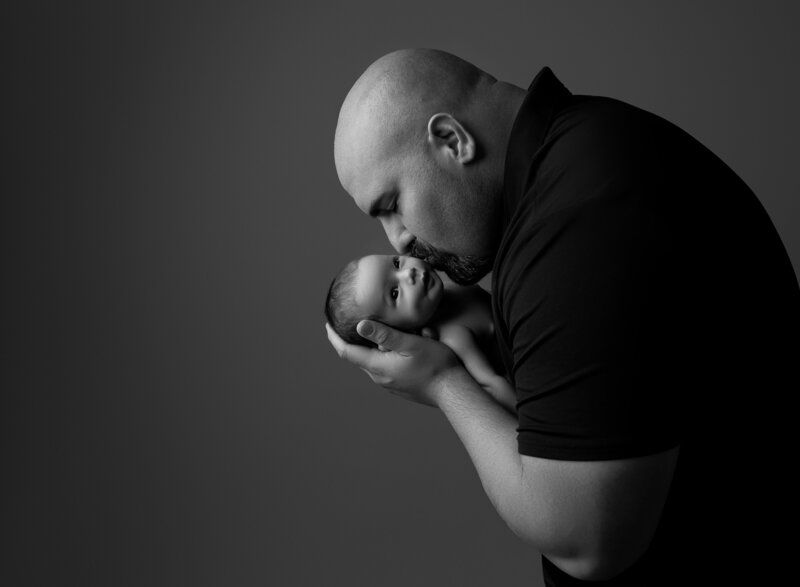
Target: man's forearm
(488, 432)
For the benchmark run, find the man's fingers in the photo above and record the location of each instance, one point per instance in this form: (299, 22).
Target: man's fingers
(378, 364)
(355, 354)
(335, 340)
(381, 380)
(361, 356)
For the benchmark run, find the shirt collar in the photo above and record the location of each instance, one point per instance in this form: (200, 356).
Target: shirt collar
(546, 96)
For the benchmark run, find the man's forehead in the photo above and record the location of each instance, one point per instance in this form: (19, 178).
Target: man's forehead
(365, 151)
(354, 138)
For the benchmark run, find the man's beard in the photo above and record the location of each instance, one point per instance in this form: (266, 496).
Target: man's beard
(465, 270)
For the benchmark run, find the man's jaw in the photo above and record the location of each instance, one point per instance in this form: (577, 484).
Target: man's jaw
(464, 270)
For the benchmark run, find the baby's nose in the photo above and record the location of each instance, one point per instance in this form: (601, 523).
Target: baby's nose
(411, 274)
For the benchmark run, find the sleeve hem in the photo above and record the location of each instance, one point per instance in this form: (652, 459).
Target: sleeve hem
(593, 453)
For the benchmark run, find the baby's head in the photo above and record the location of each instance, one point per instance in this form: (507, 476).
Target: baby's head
(397, 290)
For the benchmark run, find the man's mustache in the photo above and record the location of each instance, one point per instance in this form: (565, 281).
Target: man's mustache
(464, 270)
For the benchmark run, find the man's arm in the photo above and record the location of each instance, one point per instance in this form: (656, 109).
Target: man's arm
(593, 519)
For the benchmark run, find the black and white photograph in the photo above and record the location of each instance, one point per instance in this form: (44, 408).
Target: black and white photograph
(401, 294)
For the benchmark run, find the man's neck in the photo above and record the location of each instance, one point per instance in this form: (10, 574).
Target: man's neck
(501, 106)
(507, 102)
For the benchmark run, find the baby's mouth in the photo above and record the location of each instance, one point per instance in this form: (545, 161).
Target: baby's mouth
(426, 280)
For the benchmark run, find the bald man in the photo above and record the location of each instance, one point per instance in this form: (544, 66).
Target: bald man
(641, 299)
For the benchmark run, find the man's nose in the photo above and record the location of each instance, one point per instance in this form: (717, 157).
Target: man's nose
(397, 234)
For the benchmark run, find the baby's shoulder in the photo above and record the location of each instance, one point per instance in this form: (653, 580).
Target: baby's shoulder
(473, 294)
(468, 307)
(455, 334)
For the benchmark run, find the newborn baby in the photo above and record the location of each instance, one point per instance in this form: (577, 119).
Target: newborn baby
(408, 294)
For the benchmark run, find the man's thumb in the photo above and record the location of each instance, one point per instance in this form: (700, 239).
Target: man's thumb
(374, 331)
(365, 328)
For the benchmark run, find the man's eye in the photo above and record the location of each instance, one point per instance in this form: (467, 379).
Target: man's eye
(394, 293)
(396, 262)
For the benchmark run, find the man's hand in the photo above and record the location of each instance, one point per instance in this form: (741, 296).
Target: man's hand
(408, 365)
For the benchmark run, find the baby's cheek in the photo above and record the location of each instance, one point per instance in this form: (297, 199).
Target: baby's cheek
(416, 322)
(413, 319)
(424, 314)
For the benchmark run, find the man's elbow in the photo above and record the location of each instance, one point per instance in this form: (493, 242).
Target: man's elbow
(593, 520)
(600, 563)
(567, 550)
(582, 556)
(589, 568)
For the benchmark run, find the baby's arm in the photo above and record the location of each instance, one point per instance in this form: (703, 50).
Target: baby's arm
(462, 341)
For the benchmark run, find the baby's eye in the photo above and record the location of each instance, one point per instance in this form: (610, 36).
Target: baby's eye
(396, 262)
(395, 292)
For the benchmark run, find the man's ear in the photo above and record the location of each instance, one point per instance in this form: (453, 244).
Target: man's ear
(447, 135)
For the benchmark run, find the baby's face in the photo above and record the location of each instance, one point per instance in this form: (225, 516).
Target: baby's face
(401, 291)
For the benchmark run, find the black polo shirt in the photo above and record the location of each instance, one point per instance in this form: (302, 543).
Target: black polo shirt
(643, 300)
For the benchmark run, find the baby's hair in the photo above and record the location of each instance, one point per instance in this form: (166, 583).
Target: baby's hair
(340, 306)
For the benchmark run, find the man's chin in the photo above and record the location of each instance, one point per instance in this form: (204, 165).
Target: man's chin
(467, 276)
(463, 270)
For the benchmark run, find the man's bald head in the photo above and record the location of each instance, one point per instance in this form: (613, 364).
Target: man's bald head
(398, 93)
(420, 145)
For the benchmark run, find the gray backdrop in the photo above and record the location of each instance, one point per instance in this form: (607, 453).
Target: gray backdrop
(176, 415)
